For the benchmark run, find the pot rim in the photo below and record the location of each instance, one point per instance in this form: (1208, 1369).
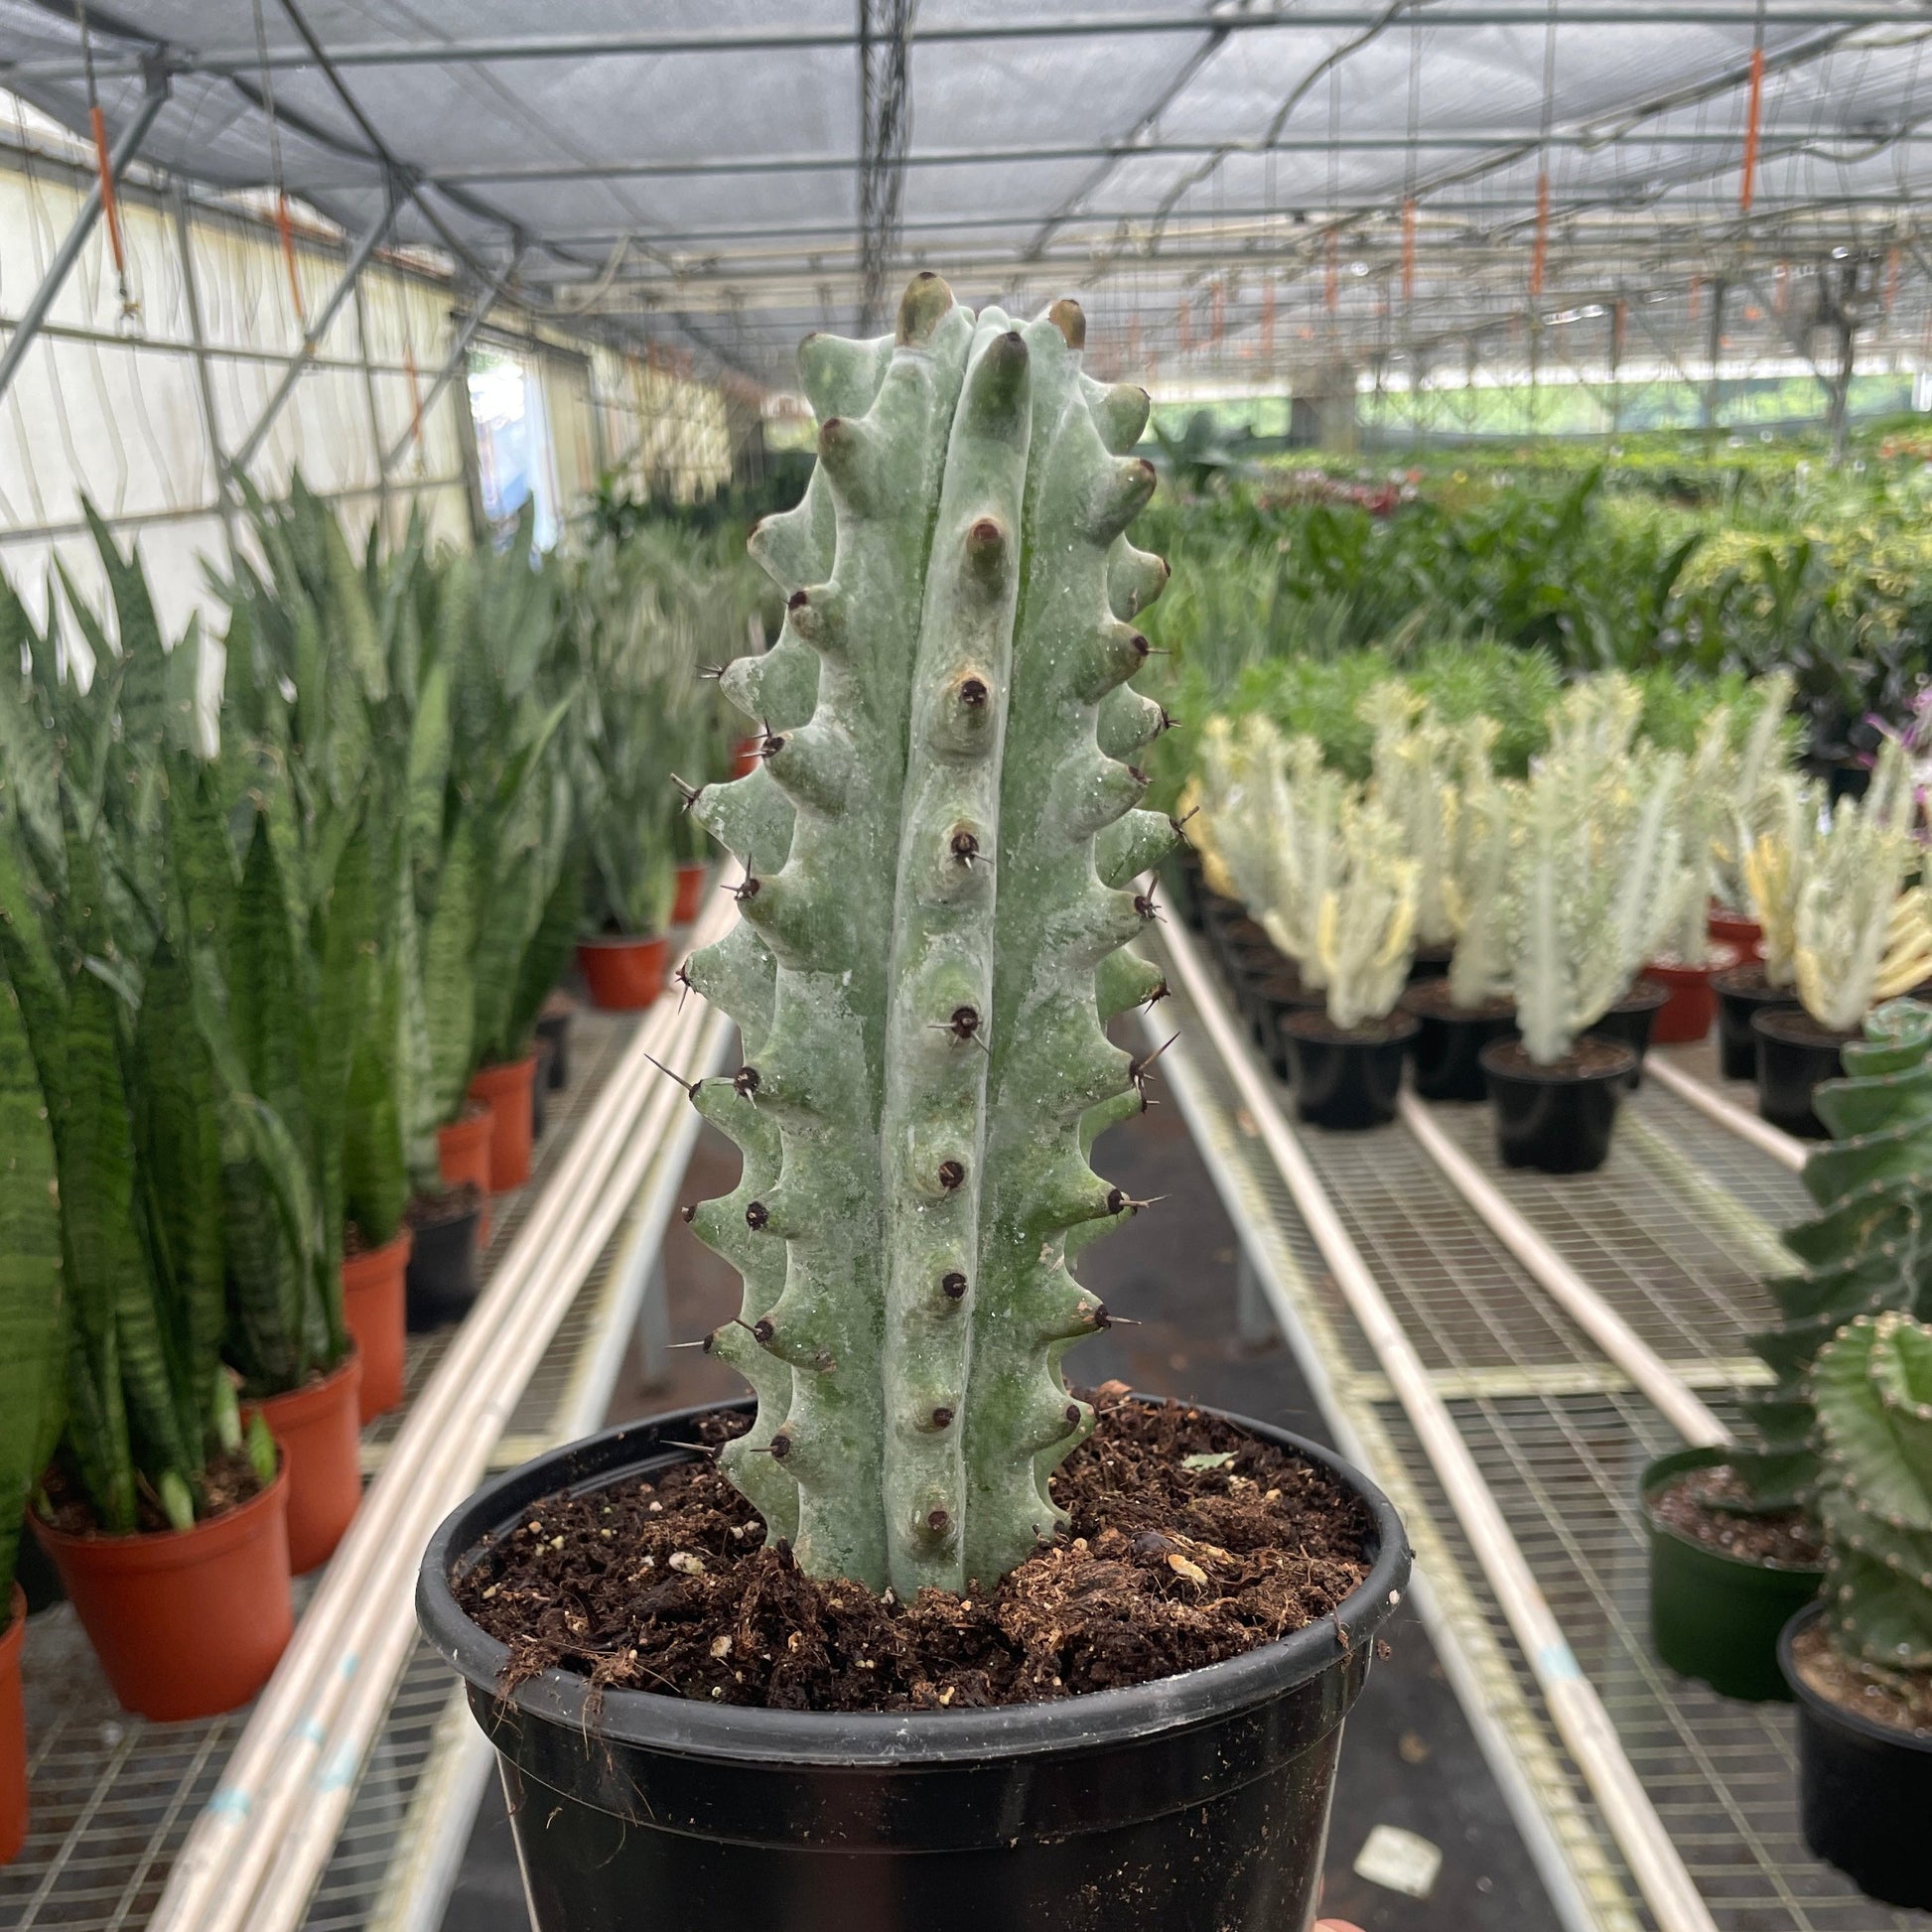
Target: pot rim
(477, 1120)
(1660, 1468)
(1346, 1036)
(171, 1549)
(505, 1073)
(1537, 1076)
(297, 1405)
(1761, 1023)
(1680, 972)
(1642, 995)
(373, 1264)
(1823, 1708)
(1764, 993)
(885, 1738)
(622, 941)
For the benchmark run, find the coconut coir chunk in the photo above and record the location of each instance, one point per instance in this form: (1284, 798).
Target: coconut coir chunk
(1191, 1542)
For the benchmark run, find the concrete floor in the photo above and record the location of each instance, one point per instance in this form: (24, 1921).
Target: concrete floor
(1410, 1760)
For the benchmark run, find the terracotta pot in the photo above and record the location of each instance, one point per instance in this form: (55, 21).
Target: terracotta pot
(463, 1152)
(186, 1623)
(624, 975)
(1734, 929)
(319, 1428)
(1692, 1007)
(744, 757)
(372, 1308)
(13, 1732)
(690, 892)
(506, 1091)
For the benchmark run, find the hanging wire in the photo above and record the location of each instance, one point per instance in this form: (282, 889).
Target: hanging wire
(1540, 248)
(284, 227)
(1747, 181)
(110, 205)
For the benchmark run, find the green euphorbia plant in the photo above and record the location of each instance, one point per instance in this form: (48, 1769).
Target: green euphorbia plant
(942, 850)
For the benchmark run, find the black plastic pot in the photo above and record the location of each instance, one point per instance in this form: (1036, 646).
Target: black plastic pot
(1795, 1057)
(1865, 1790)
(555, 1028)
(1556, 1122)
(1447, 1048)
(1274, 997)
(1742, 992)
(1345, 1080)
(441, 1282)
(1713, 1617)
(1196, 1804)
(540, 1087)
(1183, 877)
(1630, 1021)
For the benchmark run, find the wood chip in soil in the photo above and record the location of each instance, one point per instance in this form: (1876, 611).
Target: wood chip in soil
(1191, 1542)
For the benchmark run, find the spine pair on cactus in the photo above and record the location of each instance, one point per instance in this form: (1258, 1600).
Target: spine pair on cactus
(940, 847)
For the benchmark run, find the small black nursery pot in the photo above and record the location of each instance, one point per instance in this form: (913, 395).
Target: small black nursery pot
(1796, 1055)
(1743, 991)
(1198, 1803)
(1630, 1020)
(1865, 1788)
(1345, 1077)
(1450, 1040)
(553, 1024)
(441, 1282)
(1556, 1119)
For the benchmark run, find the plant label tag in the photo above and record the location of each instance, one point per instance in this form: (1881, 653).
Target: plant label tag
(1399, 1861)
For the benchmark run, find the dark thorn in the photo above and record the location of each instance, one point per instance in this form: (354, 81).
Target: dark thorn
(783, 1548)
(748, 886)
(1135, 773)
(973, 692)
(825, 1361)
(937, 1522)
(705, 1344)
(1154, 650)
(1140, 645)
(1178, 823)
(985, 532)
(712, 671)
(756, 1215)
(781, 1447)
(1144, 904)
(746, 1082)
(1162, 990)
(954, 1284)
(965, 847)
(964, 1021)
(689, 793)
(1167, 722)
(690, 1087)
(951, 1174)
(690, 1212)
(685, 985)
(772, 744)
(1072, 1412)
(703, 1448)
(942, 1418)
(796, 600)
(1136, 1069)
(763, 1331)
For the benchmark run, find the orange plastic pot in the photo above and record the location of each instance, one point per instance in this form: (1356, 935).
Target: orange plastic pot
(1734, 929)
(374, 1310)
(505, 1090)
(320, 1428)
(690, 893)
(13, 1733)
(1691, 1008)
(744, 757)
(624, 975)
(186, 1623)
(463, 1153)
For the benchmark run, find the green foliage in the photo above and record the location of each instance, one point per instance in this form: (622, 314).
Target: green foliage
(1874, 1389)
(944, 843)
(1866, 1251)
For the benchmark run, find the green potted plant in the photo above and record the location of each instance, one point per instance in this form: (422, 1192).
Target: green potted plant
(1733, 1544)
(1593, 879)
(1345, 1056)
(1764, 753)
(166, 1517)
(33, 1340)
(1858, 937)
(1460, 1013)
(1860, 1661)
(1410, 760)
(922, 981)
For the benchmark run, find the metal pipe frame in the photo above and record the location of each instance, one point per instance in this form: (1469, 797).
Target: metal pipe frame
(153, 99)
(459, 349)
(359, 257)
(244, 60)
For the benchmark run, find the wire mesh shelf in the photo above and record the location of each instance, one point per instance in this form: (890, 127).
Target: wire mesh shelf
(1674, 1232)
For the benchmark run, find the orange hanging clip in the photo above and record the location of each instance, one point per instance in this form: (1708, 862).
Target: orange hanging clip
(1540, 249)
(1748, 186)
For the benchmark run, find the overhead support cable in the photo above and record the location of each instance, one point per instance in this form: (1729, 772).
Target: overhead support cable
(69, 252)
(885, 135)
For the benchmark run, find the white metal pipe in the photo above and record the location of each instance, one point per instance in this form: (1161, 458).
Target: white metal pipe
(1580, 1719)
(317, 1662)
(1665, 1391)
(298, 1817)
(301, 1850)
(1785, 1148)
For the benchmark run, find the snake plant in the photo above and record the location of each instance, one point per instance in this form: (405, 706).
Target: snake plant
(940, 849)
